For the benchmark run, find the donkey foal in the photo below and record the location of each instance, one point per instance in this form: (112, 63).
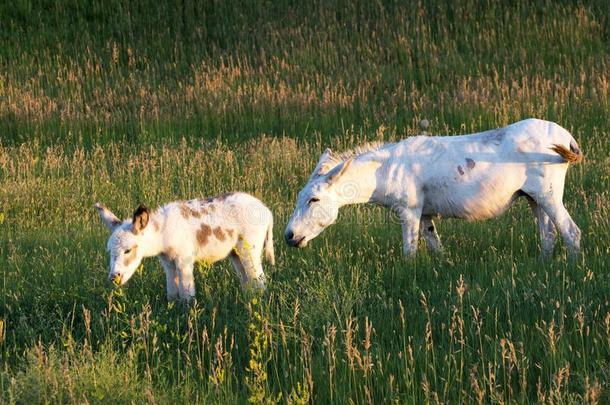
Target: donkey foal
(180, 233)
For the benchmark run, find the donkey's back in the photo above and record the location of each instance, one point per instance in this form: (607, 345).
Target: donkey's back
(478, 176)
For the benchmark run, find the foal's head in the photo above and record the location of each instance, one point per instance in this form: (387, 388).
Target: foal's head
(318, 202)
(125, 237)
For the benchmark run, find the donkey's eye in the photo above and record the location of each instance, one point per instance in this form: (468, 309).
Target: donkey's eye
(313, 200)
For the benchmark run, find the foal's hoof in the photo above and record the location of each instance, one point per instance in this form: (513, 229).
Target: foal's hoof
(255, 287)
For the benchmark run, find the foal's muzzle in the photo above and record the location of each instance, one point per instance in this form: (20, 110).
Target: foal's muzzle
(116, 279)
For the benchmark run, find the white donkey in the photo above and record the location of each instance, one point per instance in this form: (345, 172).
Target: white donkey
(180, 233)
(472, 177)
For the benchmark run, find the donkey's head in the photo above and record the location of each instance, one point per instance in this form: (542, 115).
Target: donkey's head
(318, 202)
(123, 244)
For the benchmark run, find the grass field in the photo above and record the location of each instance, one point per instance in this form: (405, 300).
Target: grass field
(157, 101)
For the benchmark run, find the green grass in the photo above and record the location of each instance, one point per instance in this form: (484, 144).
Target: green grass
(156, 102)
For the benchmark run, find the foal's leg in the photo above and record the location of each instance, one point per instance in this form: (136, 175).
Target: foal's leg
(186, 280)
(171, 277)
(238, 267)
(547, 231)
(257, 278)
(428, 231)
(250, 258)
(409, 219)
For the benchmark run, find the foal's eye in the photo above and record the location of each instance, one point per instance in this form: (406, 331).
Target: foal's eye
(127, 251)
(313, 200)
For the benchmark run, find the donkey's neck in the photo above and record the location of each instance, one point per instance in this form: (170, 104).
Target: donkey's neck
(361, 182)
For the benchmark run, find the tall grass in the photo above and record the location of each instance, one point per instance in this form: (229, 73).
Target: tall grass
(346, 318)
(122, 103)
(91, 71)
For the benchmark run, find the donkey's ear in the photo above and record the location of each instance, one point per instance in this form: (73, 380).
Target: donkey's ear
(107, 216)
(140, 218)
(324, 165)
(325, 155)
(338, 171)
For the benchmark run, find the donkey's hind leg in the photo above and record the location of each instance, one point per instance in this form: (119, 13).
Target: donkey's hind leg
(547, 231)
(553, 207)
(570, 232)
(428, 231)
(545, 186)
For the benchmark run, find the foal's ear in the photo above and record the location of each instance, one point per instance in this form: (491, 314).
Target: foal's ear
(107, 216)
(140, 218)
(339, 171)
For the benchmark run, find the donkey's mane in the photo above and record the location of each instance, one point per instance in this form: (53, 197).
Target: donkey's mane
(340, 157)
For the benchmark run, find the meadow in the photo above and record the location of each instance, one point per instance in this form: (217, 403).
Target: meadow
(123, 103)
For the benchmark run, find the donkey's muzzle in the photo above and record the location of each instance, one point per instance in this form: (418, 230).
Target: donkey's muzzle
(291, 240)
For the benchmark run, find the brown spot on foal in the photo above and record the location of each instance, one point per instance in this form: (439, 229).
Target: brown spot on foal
(203, 234)
(219, 234)
(460, 170)
(470, 163)
(185, 211)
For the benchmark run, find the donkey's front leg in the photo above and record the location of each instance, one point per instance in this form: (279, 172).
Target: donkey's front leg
(186, 280)
(409, 219)
(428, 230)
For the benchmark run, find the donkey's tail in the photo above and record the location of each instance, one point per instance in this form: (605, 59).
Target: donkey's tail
(572, 155)
(269, 252)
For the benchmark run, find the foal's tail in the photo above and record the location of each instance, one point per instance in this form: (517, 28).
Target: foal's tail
(269, 252)
(572, 155)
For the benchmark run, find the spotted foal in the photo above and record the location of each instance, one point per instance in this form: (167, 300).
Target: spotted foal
(181, 233)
